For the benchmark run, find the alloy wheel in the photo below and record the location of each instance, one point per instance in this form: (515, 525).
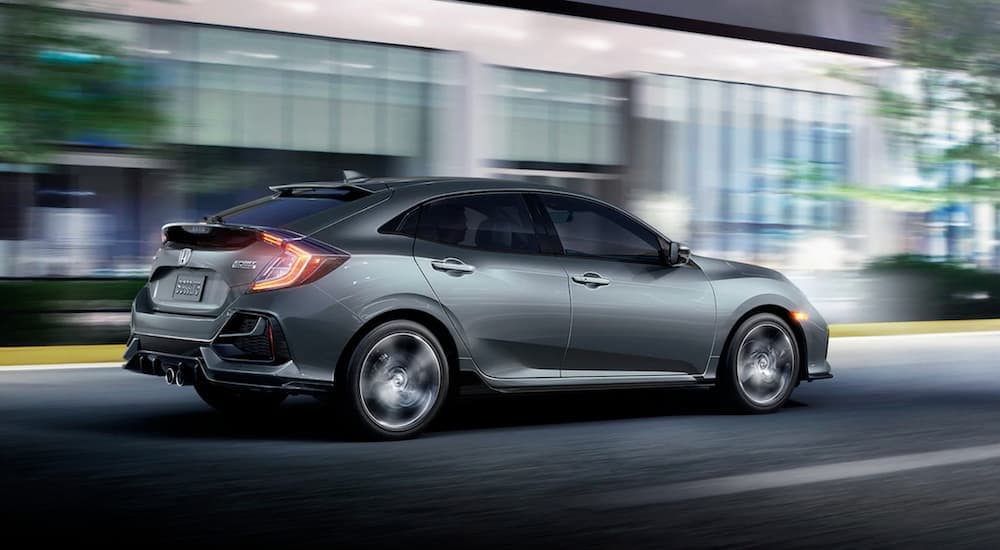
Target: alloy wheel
(400, 380)
(765, 363)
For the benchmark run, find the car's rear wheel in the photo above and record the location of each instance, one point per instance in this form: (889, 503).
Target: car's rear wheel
(238, 400)
(395, 381)
(761, 365)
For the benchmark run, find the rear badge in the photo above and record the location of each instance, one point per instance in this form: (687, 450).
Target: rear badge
(244, 264)
(185, 257)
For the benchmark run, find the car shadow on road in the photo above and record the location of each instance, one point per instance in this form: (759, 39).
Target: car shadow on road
(306, 419)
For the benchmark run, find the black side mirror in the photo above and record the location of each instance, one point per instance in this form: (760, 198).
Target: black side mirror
(677, 254)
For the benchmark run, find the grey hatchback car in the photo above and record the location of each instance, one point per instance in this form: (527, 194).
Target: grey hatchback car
(382, 294)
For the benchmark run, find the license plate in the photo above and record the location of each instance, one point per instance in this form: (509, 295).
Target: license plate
(188, 288)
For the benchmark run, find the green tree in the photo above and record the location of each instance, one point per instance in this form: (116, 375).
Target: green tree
(953, 48)
(60, 85)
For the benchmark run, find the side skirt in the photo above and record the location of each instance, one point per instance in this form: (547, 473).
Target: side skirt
(518, 385)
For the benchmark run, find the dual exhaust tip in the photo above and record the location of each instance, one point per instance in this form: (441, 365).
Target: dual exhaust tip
(175, 375)
(178, 376)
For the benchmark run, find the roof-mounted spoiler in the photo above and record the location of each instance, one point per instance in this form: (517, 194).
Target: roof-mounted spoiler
(351, 179)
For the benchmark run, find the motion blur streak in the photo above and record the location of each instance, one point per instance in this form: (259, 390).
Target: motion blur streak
(738, 146)
(789, 477)
(151, 460)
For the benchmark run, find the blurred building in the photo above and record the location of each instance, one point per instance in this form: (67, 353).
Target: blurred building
(694, 114)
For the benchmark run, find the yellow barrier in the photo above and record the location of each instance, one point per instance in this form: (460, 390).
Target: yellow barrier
(914, 327)
(49, 355)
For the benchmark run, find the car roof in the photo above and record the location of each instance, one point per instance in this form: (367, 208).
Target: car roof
(434, 185)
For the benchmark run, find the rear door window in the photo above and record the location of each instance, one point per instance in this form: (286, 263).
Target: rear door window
(488, 221)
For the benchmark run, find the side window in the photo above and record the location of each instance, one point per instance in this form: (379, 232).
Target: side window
(495, 221)
(588, 228)
(403, 224)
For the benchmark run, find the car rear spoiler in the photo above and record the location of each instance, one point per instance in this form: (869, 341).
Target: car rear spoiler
(290, 188)
(351, 179)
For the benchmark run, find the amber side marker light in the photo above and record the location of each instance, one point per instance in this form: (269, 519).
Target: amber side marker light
(800, 316)
(299, 263)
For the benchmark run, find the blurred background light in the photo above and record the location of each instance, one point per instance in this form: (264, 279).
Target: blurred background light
(405, 20)
(497, 31)
(592, 43)
(298, 7)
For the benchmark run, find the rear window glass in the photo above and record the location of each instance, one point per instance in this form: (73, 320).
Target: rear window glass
(286, 210)
(281, 211)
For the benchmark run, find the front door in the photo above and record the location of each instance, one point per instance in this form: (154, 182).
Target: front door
(632, 313)
(480, 254)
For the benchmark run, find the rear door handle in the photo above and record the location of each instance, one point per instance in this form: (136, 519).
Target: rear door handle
(591, 279)
(453, 265)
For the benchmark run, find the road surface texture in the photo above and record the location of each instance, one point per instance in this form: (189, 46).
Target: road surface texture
(901, 448)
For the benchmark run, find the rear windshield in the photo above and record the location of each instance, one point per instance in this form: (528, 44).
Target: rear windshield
(286, 210)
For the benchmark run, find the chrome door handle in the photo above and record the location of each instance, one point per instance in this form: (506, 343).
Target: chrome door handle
(591, 279)
(452, 264)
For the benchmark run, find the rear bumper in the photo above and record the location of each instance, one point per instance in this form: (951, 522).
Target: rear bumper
(314, 327)
(151, 356)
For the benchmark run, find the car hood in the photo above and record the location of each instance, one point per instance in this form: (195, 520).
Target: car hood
(717, 269)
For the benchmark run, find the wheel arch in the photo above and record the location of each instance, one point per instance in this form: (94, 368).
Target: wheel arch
(432, 323)
(784, 314)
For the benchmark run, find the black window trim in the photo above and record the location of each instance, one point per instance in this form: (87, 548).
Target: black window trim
(660, 239)
(548, 239)
(395, 224)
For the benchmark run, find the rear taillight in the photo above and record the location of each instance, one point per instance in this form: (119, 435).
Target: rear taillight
(299, 263)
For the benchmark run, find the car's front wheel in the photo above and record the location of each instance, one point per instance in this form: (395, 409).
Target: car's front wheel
(238, 400)
(395, 381)
(761, 365)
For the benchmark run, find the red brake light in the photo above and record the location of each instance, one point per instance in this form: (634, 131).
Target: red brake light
(276, 241)
(298, 264)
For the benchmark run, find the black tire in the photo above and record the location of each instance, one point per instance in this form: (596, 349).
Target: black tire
(769, 372)
(394, 383)
(238, 401)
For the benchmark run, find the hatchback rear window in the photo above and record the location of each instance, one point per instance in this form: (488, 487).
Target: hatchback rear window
(285, 210)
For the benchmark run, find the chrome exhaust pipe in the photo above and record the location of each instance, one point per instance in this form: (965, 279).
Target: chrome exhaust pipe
(181, 377)
(170, 375)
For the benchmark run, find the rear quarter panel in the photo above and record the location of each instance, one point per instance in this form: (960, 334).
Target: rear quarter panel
(381, 275)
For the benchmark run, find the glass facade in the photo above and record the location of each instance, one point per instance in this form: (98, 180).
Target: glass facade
(552, 118)
(744, 157)
(244, 109)
(733, 162)
(239, 88)
(558, 129)
(950, 229)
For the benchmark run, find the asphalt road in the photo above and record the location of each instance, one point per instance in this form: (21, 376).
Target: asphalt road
(901, 448)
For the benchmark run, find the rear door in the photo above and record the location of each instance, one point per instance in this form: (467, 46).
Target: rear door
(481, 255)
